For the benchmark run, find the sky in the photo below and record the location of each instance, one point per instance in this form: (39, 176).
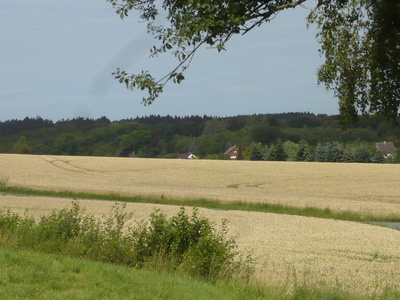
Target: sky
(56, 60)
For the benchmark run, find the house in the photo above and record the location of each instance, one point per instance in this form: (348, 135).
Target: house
(186, 156)
(386, 148)
(232, 152)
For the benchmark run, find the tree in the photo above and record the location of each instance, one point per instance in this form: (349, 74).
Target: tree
(183, 143)
(21, 146)
(256, 151)
(303, 152)
(192, 148)
(359, 39)
(134, 142)
(329, 152)
(65, 144)
(363, 153)
(290, 149)
(214, 126)
(276, 152)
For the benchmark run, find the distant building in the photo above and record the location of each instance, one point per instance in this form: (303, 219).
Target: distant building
(232, 152)
(186, 156)
(386, 148)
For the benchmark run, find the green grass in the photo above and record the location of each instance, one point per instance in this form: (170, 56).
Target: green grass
(33, 275)
(325, 213)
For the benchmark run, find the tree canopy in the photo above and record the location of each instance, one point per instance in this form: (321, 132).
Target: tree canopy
(359, 39)
(259, 137)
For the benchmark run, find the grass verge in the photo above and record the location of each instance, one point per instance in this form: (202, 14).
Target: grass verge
(33, 275)
(325, 213)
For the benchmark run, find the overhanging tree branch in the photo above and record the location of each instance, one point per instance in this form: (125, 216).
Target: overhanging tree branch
(193, 23)
(358, 35)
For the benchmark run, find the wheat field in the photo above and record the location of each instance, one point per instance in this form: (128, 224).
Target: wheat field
(356, 257)
(288, 250)
(368, 188)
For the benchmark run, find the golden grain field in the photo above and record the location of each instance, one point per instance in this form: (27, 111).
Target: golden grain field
(359, 258)
(372, 188)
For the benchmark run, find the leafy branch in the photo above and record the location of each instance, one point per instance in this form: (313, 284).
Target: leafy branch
(359, 39)
(193, 23)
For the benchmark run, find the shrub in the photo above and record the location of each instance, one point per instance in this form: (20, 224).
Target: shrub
(114, 244)
(192, 243)
(10, 222)
(63, 225)
(14, 228)
(188, 244)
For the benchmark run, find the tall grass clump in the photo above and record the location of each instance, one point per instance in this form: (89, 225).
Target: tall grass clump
(188, 244)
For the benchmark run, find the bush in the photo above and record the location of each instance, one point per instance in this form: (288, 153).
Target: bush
(62, 225)
(14, 228)
(192, 243)
(188, 244)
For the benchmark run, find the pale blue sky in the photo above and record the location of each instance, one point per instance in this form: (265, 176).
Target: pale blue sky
(57, 58)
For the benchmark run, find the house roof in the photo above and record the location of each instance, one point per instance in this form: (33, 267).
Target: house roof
(230, 149)
(186, 155)
(386, 148)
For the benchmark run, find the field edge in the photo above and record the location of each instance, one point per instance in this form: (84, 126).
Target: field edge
(324, 213)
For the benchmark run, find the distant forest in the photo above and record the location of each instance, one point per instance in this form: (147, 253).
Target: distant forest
(286, 136)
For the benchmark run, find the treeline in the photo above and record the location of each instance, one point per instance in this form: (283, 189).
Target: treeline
(205, 136)
(358, 151)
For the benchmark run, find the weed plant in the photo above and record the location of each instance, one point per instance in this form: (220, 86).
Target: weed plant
(188, 244)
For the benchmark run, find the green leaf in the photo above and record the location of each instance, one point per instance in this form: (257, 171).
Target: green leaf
(179, 78)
